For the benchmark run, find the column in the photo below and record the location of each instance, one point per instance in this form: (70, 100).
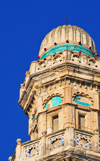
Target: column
(18, 149)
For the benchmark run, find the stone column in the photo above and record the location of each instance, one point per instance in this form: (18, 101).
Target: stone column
(18, 149)
(43, 143)
(49, 124)
(10, 158)
(96, 140)
(69, 136)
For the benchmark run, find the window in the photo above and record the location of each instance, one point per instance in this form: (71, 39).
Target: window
(55, 123)
(82, 122)
(54, 102)
(70, 159)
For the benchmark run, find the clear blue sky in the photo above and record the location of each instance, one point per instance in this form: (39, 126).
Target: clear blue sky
(23, 25)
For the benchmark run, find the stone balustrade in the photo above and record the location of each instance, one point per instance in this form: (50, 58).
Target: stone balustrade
(55, 140)
(65, 56)
(31, 149)
(84, 139)
(49, 144)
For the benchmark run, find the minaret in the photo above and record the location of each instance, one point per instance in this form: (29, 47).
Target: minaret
(60, 95)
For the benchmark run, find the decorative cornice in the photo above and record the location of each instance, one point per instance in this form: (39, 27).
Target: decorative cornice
(72, 152)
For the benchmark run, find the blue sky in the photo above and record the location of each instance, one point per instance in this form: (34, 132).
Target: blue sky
(23, 25)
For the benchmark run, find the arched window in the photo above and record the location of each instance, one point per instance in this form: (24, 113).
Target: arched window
(54, 102)
(81, 100)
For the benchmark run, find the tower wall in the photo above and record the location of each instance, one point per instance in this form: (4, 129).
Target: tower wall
(60, 95)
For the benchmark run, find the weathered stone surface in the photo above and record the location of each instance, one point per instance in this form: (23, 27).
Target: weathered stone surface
(61, 97)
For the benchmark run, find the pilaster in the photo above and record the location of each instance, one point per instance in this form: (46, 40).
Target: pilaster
(69, 136)
(18, 149)
(43, 143)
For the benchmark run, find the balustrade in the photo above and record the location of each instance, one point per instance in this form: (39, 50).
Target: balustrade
(60, 139)
(31, 149)
(55, 140)
(83, 139)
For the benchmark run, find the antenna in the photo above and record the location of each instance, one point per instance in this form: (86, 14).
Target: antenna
(66, 21)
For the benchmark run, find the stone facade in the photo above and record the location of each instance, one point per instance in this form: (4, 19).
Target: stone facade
(60, 95)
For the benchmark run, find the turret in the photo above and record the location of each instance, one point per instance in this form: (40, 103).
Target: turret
(61, 97)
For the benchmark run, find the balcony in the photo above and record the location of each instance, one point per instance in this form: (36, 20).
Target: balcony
(67, 140)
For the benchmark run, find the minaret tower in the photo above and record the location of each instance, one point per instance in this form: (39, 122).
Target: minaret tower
(61, 97)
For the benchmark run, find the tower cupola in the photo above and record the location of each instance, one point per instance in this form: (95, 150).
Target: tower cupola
(67, 37)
